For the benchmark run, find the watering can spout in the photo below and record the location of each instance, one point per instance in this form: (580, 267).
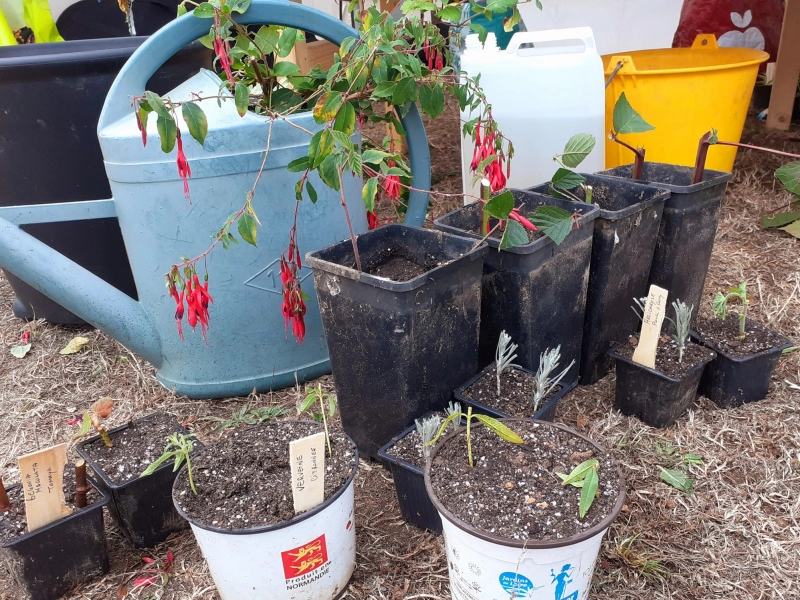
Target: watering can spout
(72, 286)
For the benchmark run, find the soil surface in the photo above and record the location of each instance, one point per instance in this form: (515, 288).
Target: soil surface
(518, 494)
(135, 447)
(667, 355)
(516, 392)
(724, 336)
(398, 266)
(409, 448)
(244, 480)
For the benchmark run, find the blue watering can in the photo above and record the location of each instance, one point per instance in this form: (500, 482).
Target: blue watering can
(247, 344)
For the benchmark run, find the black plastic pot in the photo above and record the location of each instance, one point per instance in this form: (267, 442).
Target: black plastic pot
(547, 412)
(688, 227)
(655, 398)
(52, 560)
(51, 96)
(536, 292)
(142, 508)
(731, 381)
(625, 234)
(409, 482)
(398, 350)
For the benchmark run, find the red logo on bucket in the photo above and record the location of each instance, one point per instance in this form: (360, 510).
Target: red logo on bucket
(304, 559)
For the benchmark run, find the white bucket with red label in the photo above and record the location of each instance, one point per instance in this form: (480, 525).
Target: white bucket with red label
(310, 557)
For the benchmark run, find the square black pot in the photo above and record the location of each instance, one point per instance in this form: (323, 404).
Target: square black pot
(52, 560)
(398, 349)
(535, 292)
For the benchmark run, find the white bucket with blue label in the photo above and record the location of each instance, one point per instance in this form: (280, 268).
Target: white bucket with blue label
(484, 566)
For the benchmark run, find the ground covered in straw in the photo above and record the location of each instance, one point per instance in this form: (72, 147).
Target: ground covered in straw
(736, 536)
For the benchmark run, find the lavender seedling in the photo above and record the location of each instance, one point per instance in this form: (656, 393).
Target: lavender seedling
(682, 322)
(640, 304)
(504, 356)
(454, 408)
(314, 395)
(427, 429)
(179, 446)
(721, 305)
(542, 383)
(493, 424)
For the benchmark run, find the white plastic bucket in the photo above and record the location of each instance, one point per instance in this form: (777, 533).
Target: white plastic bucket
(310, 557)
(483, 566)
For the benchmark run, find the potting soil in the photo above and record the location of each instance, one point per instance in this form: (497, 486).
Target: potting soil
(724, 336)
(395, 265)
(409, 448)
(516, 392)
(667, 355)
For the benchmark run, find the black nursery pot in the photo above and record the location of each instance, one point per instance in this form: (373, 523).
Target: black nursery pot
(398, 349)
(52, 560)
(409, 482)
(688, 227)
(547, 412)
(535, 292)
(730, 381)
(624, 238)
(655, 398)
(142, 508)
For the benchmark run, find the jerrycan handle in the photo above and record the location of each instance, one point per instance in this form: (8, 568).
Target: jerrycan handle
(550, 40)
(168, 40)
(705, 41)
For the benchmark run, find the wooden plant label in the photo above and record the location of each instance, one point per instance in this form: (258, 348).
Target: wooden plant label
(42, 476)
(654, 311)
(307, 456)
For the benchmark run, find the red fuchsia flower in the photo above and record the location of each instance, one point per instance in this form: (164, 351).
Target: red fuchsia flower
(74, 421)
(486, 146)
(522, 220)
(25, 338)
(391, 183)
(184, 170)
(222, 49)
(361, 118)
(373, 221)
(144, 581)
(293, 306)
(179, 311)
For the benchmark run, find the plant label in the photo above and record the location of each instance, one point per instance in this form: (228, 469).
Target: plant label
(307, 456)
(653, 318)
(42, 476)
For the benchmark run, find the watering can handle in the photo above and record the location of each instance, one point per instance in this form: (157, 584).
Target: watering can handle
(168, 40)
(583, 34)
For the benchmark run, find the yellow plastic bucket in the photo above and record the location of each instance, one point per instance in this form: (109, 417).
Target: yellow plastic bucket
(683, 92)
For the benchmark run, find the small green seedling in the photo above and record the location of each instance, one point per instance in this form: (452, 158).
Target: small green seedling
(246, 416)
(721, 305)
(543, 384)
(427, 428)
(504, 356)
(327, 405)
(93, 417)
(682, 323)
(584, 476)
(179, 446)
(492, 424)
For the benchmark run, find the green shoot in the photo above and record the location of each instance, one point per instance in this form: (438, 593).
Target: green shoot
(326, 401)
(720, 305)
(93, 417)
(504, 356)
(627, 120)
(565, 179)
(682, 323)
(584, 476)
(179, 446)
(427, 428)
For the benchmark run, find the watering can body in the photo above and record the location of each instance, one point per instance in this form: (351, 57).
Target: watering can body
(247, 346)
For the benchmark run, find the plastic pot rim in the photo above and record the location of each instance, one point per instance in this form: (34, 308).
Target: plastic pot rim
(283, 524)
(384, 455)
(710, 178)
(699, 366)
(333, 268)
(741, 359)
(528, 544)
(101, 474)
(99, 504)
(70, 51)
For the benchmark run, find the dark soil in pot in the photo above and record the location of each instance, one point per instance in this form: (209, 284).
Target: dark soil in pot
(516, 392)
(409, 448)
(724, 336)
(517, 493)
(244, 480)
(398, 265)
(667, 356)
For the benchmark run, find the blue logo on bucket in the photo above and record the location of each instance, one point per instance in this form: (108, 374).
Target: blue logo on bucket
(516, 584)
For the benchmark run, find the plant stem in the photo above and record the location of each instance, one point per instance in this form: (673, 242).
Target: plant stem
(761, 148)
(638, 165)
(700, 160)
(325, 422)
(189, 470)
(82, 486)
(469, 437)
(5, 505)
(743, 317)
(347, 218)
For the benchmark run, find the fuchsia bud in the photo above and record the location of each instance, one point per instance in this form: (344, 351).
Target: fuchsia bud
(184, 170)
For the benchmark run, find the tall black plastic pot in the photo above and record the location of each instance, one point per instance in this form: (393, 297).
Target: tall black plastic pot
(535, 292)
(688, 226)
(142, 508)
(51, 96)
(657, 399)
(624, 239)
(52, 560)
(398, 349)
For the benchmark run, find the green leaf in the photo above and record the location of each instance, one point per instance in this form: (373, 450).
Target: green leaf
(694, 459)
(327, 106)
(182, 9)
(789, 176)
(581, 470)
(328, 172)
(374, 157)
(553, 221)
(239, 6)
(157, 105)
(285, 69)
(241, 98)
(627, 120)
(720, 305)
(501, 430)
(308, 402)
(298, 165)
(20, 351)
(286, 42)
(320, 147)
(577, 484)
(564, 179)
(157, 463)
(346, 119)
(368, 193)
(86, 425)
(204, 11)
(431, 100)
(779, 219)
(793, 229)
(267, 38)
(500, 206)
(331, 405)
(589, 491)
(406, 91)
(384, 89)
(451, 13)
(677, 479)
(578, 147)
(248, 229)
(482, 32)
(168, 132)
(196, 121)
(514, 235)
(510, 22)
(312, 193)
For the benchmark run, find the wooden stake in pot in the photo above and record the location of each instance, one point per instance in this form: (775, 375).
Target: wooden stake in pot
(652, 320)
(82, 486)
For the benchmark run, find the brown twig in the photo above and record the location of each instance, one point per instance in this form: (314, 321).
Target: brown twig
(353, 239)
(700, 160)
(638, 165)
(82, 486)
(5, 505)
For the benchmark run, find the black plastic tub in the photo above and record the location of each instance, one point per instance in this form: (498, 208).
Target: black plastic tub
(398, 349)
(142, 508)
(655, 398)
(730, 381)
(547, 412)
(536, 292)
(409, 482)
(52, 560)
(51, 96)
(688, 227)
(624, 239)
